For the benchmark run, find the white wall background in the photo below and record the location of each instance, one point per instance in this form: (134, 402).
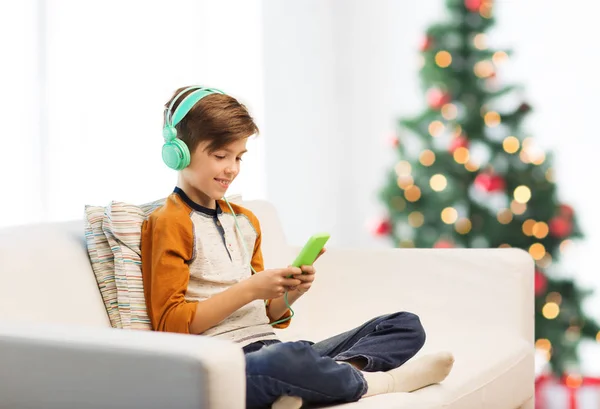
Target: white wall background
(339, 73)
(84, 93)
(326, 80)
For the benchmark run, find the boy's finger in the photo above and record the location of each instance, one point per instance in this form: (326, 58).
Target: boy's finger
(308, 269)
(291, 282)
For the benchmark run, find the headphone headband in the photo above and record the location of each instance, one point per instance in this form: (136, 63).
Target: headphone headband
(173, 118)
(175, 152)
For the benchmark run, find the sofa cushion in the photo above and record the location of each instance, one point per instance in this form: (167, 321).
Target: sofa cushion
(122, 224)
(102, 261)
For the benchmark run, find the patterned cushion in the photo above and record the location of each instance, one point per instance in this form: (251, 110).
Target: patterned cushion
(122, 226)
(101, 258)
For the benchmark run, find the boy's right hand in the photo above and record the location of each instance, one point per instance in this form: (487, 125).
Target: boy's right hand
(274, 283)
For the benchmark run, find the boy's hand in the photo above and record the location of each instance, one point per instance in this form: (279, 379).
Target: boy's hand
(307, 277)
(273, 283)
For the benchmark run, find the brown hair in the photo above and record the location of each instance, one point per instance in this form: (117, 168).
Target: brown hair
(217, 118)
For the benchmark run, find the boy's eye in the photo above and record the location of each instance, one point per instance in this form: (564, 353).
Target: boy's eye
(240, 159)
(220, 157)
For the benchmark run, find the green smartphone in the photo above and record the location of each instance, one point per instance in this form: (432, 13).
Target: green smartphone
(311, 250)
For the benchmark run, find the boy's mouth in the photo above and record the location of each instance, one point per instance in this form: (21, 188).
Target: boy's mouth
(223, 182)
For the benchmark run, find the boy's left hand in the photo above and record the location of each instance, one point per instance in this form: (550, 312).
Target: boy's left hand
(307, 277)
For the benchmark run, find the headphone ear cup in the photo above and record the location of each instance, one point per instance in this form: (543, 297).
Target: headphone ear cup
(169, 133)
(176, 154)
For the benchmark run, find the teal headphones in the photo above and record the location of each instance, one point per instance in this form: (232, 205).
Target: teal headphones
(175, 152)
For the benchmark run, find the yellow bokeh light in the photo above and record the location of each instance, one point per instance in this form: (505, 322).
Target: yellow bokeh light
(427, 158)
(499, 57)
(449, 111)
(436, 128)
(550, 310)
(504, 216)
(545, 261)
(471, 167)
(457, 130)
(463, 225)
(543, 344)
(537, 251)
(412, 193)
(405, 181)
(443, 58)
(598, 336)
(461, 155)
(492, 119)
(554, 297)
(518, 208)
(403, 168)
(406, 244)
(528, 227)
(480, 41)
(483, 69)
(416, 219)
(504, 246)
(438, 182)
(449, 215)
(540, 230)
(510, 144)
(486, 10)
(539, 158)
(564, 245)
(522, 194)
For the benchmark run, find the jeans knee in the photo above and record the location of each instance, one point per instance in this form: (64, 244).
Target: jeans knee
(283, 358)
(408, 322)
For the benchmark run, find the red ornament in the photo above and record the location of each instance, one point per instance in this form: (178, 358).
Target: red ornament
(473, 5)
(490, 182)
(426, 43)
(381, 227)
(560, 227)
(566, 211)
(458, 142)
(443, 244)
(524, 107)
(393, 140)
(437, 98)
(540, 283)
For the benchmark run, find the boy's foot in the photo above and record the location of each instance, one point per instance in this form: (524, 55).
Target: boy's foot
(287, 402)
(415, 374)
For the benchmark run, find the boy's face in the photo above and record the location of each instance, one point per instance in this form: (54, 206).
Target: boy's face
(209, 175)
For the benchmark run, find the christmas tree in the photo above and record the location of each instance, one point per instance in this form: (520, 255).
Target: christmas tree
(469, 175)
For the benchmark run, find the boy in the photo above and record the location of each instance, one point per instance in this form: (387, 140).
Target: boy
(198, 264)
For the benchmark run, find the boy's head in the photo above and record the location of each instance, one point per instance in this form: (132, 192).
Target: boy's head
(215, 131)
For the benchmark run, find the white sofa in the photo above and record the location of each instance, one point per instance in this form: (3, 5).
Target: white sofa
(57, 349)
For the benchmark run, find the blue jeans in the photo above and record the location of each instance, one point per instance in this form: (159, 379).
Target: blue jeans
(310, 371)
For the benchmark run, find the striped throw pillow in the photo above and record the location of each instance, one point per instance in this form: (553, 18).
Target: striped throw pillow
(102, 261)
(122, 225)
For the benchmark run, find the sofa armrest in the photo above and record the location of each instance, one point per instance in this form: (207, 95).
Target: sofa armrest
(489, 288)
(54, 366)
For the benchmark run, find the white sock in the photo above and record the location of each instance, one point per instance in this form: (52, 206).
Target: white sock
(378, 383)
(414, 374)
(287, 402)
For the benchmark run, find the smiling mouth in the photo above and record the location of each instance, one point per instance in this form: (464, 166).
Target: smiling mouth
(224, 182)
